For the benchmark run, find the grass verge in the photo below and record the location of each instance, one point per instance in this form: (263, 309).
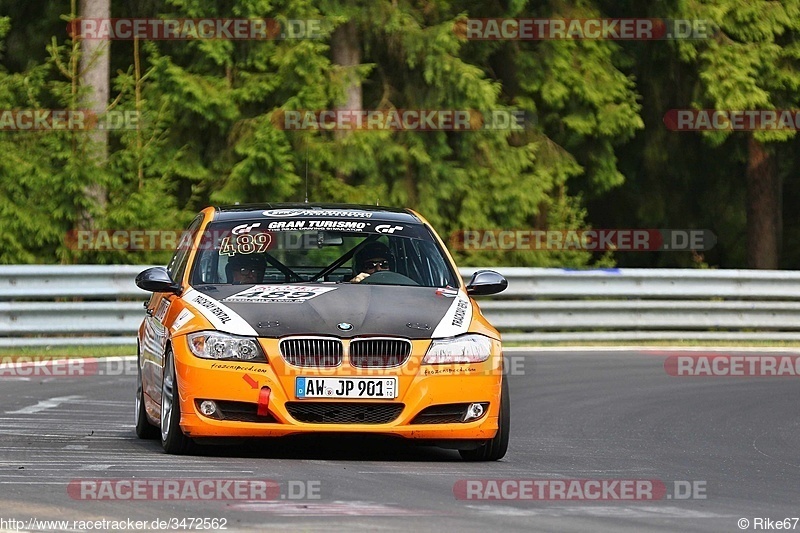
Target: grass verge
(664, 343)
(69, 351)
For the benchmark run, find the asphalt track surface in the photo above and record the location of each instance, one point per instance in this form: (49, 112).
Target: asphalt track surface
(595, 415)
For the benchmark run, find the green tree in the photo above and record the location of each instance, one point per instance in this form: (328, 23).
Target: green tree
(44, 173)
(211, 133)
(752, 63)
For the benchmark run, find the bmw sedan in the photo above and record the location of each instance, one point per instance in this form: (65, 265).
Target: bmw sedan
(280, 319)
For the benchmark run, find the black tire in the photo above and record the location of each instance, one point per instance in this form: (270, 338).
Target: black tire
(172, 438)
(495, 448)
(144, 429)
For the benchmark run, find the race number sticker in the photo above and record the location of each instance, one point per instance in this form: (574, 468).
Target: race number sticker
(245, 243)
(292, 294)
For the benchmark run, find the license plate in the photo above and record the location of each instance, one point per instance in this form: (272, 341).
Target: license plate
(385, 388)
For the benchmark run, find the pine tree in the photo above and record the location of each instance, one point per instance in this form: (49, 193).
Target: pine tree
(751, 63)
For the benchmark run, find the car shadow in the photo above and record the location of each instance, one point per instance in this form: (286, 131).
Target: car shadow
(328, 447)
(334, 447)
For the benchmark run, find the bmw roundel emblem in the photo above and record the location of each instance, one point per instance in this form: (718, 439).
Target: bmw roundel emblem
(344, 326)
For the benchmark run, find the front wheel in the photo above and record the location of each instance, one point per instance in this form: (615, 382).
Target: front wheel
(172, 438)
(495, 448)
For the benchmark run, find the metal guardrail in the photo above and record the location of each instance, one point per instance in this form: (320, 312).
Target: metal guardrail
(49, 305)
(48, 282)
(99, 304)
(646, 283)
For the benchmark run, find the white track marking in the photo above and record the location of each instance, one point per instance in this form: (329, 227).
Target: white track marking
(44, 404)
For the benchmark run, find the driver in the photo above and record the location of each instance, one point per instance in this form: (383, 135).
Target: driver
(245, 269)
(374, 257)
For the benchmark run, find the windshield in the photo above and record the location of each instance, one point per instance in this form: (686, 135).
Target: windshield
(324, 251)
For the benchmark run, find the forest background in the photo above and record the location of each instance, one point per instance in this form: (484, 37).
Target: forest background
(598, 155)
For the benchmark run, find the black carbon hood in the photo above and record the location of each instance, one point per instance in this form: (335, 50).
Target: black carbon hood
(411, 312)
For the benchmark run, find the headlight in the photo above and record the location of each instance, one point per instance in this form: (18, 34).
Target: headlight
(462, 349)
(215, 345)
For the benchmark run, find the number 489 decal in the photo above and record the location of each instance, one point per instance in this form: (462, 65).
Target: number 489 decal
(245, 244)
(278, 294)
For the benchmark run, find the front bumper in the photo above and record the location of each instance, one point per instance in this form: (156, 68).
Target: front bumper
(419, 387)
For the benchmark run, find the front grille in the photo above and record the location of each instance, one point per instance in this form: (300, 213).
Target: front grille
(237, 412)
(441, 414)
(344, 412)
(378, 352)
(309, 351)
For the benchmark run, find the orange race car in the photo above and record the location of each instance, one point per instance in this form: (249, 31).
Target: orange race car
(279, 319)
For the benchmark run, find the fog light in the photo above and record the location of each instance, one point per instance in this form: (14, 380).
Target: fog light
(208, 408)
(475, 411)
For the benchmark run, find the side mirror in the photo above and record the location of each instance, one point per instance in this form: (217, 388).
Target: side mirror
(486, 282)
(157, 279)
